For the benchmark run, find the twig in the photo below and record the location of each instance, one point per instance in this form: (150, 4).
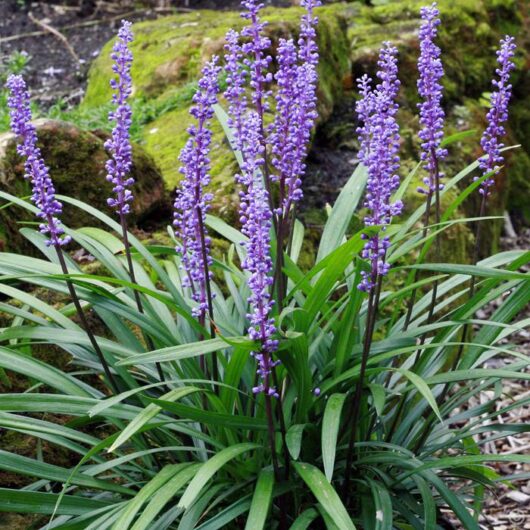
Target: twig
(58, 34)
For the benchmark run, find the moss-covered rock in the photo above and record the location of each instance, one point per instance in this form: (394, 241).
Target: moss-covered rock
(170, 51)
(169, 54)
(165, 137)
(76, 160)
(468, 35)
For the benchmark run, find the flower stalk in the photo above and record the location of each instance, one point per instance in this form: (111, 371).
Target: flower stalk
(295, 117)
(431, 118)
(491, 161)
(379, 139)
(119, 146)
(192, 203)
(43, 196)
(432, 115)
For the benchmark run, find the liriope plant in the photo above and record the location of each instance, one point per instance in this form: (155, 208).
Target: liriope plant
(245, 391)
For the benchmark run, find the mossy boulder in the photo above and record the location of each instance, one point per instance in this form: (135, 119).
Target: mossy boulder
(468, 37)
(76, 160)
(170, 51)
(169, 54)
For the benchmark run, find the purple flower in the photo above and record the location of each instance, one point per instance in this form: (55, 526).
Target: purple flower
(307, 40)
(35, 169)
(379, 139)
(255, 216)
(364, 108)
(295, 108)
(498, 113)
(235, 80)
(192, 202)
(257, 60)
(282, 137)
(431, 113)
(119, 145)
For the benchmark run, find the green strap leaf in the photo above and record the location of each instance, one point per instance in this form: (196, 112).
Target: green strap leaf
(212, 418)
(471, 270)
(208, 470)
(176, 353)
(342, 212)
(293, 439)
(261, 501)
(148, 414)
(383, 506)
(303, 521)
(164, 495)
(325, 494)
(330, 431)
(22, 364)
(34, 468)
(423, 389)
(134, 505)
(23, 501)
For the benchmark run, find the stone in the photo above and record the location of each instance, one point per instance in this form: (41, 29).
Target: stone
(169, 53)
(76, 160)
(518, 496)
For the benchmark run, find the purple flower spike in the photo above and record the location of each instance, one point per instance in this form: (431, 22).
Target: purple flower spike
(365, 109)
(258, 60)
(307, 39)
(498, 113)
(235, 80)
(35, 170)
(297, 79)
(379, 139)
(282, 138)
(192, 202)
(119, 145)
(255, 216)
(431, 113)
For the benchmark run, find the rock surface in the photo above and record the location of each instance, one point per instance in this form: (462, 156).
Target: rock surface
(76, 160)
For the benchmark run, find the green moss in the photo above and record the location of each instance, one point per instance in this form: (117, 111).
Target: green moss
(166, 50)
(169, 53)
(165, 137)
(469, 29)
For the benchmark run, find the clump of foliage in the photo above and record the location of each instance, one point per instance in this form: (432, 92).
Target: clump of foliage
(243, 391)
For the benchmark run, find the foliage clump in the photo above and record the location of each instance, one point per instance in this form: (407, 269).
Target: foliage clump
(242, 388)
